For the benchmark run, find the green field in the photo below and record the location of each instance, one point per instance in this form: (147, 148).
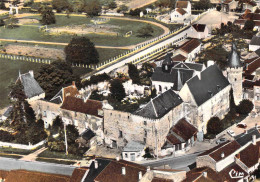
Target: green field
(32, 32)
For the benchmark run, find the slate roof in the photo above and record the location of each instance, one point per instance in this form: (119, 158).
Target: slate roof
(255, 40)
(133, 146)
(181, 11)
(181, 4)
(249, 84)
(199, 27)
(179, 57)
(90, 107)
(190, 45)
(111, 171)
(251, 16)
(160, 105)
(252, 159)
(30, 85)
(212, 81)
(258, 52)
(244, 138)
(234, 58)
(192, 66)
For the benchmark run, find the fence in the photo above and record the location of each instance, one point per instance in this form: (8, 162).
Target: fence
(25, 58)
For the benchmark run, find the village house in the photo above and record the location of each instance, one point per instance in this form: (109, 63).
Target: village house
(133, 151)
(173, 75)
(249, 16)
(207, 95)
(199, 31)
(181, 12)
(181, 138)
(190, 49)
(255, 43)
(234, 153)
(31, 87)
(229, 5)
(148, 125)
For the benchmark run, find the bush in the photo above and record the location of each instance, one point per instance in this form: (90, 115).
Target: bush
(147, 153)
(94, 79)
(5, 136)
(133, 73)
(245, 107)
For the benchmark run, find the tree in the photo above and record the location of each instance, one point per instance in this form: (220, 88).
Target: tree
(145, 31)
(93, 8)
(52, 77)
(2, 23)
(135, 12)
(123, 8)
(117, 89)
(202, 4)
(47, 15)
(218, 8)
(249, 25)
(165, 3)
(133, 73)
(112, 5)
(94, 79)
(5, 136)
(2, 5)
(61, 5)
(82, 51)
(214, 126)
(245, 107)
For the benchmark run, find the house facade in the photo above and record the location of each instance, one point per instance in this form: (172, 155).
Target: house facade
(181, 12)
(199, 31)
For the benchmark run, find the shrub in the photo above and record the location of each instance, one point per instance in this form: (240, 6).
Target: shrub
(214, 126)
(5, 136)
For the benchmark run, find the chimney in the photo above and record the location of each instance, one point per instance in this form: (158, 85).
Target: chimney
(73, 84)
(254, 139)
(245, 132)
(117, 158)
(148, 168)
(31, 73)
(205, 174)
(96, 164)
(140, 175)
(222, 155)
(123, 171)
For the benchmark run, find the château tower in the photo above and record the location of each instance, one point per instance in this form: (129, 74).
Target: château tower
(234, 72)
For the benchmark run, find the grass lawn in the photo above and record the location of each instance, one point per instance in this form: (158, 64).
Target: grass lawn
(55, 161)
(10, 156)
(9, 71)
(31, 32)
(15, 151)
(58, 155)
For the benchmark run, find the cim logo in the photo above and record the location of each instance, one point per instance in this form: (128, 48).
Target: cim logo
(235, 174)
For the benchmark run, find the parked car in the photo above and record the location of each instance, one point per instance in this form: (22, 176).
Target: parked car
(241, 125)
(231, 133)
(221, 140)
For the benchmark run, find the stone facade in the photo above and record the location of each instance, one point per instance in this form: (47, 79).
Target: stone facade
(234, 76)
(120, 127)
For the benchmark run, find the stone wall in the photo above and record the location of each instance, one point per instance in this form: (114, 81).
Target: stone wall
(205, 161)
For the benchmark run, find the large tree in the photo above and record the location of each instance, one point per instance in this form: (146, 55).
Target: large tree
(61, 5)
(47, 15)
(117, 89)
(165, 3)
(245, 107)
(249, 25)
(52, 77)
(214, 126)
(93, 8)
(145, 31)
(202, 4)
(81, 50)
(133, 73)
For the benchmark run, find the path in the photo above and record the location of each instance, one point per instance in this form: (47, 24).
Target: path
(33, 156)
(139, 3)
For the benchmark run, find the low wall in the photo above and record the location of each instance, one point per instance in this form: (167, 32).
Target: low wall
(25, 58)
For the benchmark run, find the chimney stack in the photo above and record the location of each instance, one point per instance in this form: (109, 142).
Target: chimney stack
(254, 139)
(117, 158)
(148, 168)
(96, 164)
(73, 84)
(222, 155)
(205, 174)
(140, 175)
(245, 132)
(123, 171)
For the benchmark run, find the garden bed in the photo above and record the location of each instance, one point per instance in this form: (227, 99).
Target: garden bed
(55, 161)
(58, 155)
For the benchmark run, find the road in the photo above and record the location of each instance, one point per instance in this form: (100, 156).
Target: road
(180, 162)
(8, 164)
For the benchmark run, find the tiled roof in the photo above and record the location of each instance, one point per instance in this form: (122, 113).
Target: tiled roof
(30, 85)
(249, 84)
(181, 4)
(3, 174)
(227, 149)
(252, 66)
(112, 171)
(245, 138)
(30, 176)
(78, 174)
(253, 158)
(213, 149)
(173, 140)
(181, 11)
(251, 16)
(184, 129)
(90, 107)
(70, 90)
(179, 57)
(211, 82)
(199, 27)
(160, 105)
(133, 146)
(155, 179)
(189, 46)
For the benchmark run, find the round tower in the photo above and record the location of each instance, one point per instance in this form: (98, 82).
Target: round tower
(234, 73)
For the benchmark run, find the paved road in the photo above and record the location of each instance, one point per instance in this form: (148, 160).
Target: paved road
(14, 164)
(180, 162)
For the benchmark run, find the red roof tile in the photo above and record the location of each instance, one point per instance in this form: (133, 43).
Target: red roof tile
(190, 45)
(252, 66)
(253, 158)
(184, 129)
(78, 174)
(90, 107)
(181, 11)
(173, 140)
(181, 4)
(179, 57)
(70, 91)
(161, 180)
(199, 27)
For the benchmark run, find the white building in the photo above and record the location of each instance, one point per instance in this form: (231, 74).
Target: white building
(182, 12)
(133, 151)
(199, 31)
(254, 43)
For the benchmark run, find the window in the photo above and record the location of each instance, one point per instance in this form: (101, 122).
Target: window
(145, 123)
(145, 133)
(145, 140)
(126, 155)
(120, 134)
(235, 79)
(44, 114)
(258, 97)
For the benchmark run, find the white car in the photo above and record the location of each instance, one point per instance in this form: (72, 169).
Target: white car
(231, 133)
